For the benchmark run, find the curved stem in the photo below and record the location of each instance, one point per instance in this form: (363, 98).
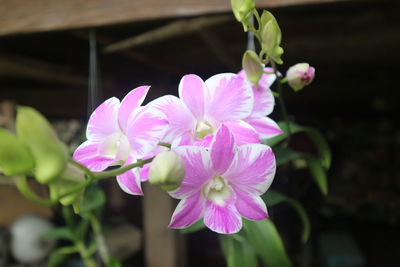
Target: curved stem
(116, 172)
(101, 243)
(83, 251)
(23, 187)
(281, 101)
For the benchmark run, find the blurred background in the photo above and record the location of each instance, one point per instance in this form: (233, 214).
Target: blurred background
(49, 48)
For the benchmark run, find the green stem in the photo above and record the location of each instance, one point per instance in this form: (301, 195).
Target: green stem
(164, 144)
(282, 102)
(116, 172)
(101, 243)
(83, 251)
(23, 187)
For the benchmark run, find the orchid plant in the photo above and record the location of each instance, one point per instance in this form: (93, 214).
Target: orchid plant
(214, 148)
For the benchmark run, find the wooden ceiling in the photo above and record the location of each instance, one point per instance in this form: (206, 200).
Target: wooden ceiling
(352, 44)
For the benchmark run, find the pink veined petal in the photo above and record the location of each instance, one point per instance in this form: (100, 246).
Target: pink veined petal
(250, 206)
(244, 133)
(264, 101)
(103, 121)
(130, 102)
(253, 168)
(222, 219)
(87, 154)
(266, 127)
(229, 98)
(145, 130)
(205, 142)
(180, 118)
(198, 170)
(192, 91)
(222, 149)
(188, 211)
(185, 139)
(129, 181)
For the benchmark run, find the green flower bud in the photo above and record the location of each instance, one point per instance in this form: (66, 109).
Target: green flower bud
(271, 36)
(15, 157)
(49, 154)
(167, 170)
(242, 9)
(252, 66)
(71, 177)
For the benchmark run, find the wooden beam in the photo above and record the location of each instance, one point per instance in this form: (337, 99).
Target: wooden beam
(26, 67)
(173, 29)
(22, 16)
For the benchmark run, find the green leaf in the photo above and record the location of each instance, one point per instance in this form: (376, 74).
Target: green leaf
(284, 155)
(50, 155)
(81, 229)
(237, 253)
(15, 157)
(68, 217)
(113, 262)
(265, 239)
(59, 233)
(316, 137)
(318, 173)
(59, 255)
(93, 200)
(197, 226)
(272, 198)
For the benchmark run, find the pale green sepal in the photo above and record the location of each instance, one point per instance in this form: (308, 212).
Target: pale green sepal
(252, 66)
(271, 36)
(50, 155)
(15, 157)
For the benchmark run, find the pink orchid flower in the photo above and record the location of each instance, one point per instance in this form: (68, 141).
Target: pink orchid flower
(121, 133)
(264, 103)
(204, 106)
(223, 183)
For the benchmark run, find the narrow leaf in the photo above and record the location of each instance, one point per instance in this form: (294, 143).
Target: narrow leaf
(266, 241)
(59, 233)
(273, 197)
(237, 251)
(318, 173)
(59, 255)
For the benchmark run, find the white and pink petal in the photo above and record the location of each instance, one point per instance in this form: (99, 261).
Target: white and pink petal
(192, 91)
(88, 155)
(253, 168)
(131, 101)
(249, 205)
(222, 219)
(188, 211)
(103, 121)
(265, 127)
(130, 180)
(222, 149)
(244, 133)
(146, 128)
(229, 98)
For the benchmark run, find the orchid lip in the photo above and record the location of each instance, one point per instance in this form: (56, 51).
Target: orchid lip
(203, 128)
(217, 190)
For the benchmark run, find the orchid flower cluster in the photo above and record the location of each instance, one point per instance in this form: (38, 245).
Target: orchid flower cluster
(214, 128)
(207, 148)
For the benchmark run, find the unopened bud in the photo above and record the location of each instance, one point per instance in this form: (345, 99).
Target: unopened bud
(242, 8)
(167, 170)
(300, 75)
(252, 66)
(50, 155)
(15, 157)
(271, 36)
(71, 177)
